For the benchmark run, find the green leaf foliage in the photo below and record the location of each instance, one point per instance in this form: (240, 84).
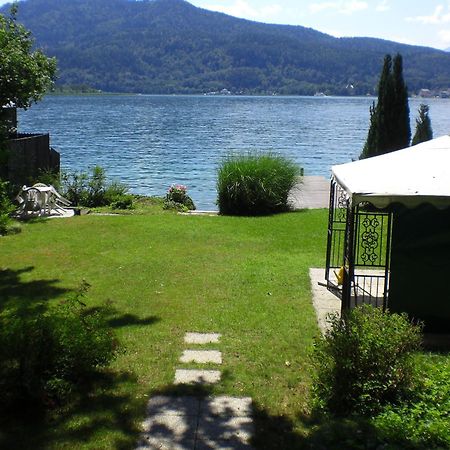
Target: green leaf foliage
(92, 189)
(178, 199)
(389, 118)
(6, 207)
(423, 420)
(25, 73)
(47, 356)
(364, 362)
(423, 132)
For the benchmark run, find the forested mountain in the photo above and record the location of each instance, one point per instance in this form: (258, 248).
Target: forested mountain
(170, 46)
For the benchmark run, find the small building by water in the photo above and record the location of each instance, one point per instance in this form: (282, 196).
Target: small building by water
(25, 155)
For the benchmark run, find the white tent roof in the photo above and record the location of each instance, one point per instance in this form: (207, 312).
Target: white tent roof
(414, 175)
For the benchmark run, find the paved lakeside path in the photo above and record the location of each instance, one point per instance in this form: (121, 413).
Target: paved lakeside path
(311, 192)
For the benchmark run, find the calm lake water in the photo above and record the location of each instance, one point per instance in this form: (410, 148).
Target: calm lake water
(151, 142)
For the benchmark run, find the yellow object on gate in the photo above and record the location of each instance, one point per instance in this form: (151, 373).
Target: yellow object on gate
(339, 276)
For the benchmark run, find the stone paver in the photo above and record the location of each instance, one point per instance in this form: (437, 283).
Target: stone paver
(234, 444)
(193, 376)
(227, 406)
(176, 406)
(201, 356)
(324, 301)
(225, 428)
(202, 338)
(167, 426)
(191, 423)
(152, 443)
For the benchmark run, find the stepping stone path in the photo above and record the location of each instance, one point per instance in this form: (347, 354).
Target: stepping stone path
(202, 356)
(202, 338)
(188, 376)
(198, 423)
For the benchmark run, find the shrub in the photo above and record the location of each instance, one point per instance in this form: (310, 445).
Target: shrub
(49, 177)
(122, 202)
(96, 187)
(74, 187)
(6, 208)
(364, 361)
(177, 198)
(93, 190)
(45, 357)
(421, 421)
(255, 184)
(114, 191)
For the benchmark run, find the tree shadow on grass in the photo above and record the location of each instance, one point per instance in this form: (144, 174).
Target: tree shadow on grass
(103, 412)
(188, 416)
(125, 320)
(27, 296)
(312, 433)
(108, 406)
(269, 431)
(171, 423)
(194, 416)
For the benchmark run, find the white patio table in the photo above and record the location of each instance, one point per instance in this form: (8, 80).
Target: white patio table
(40, 200)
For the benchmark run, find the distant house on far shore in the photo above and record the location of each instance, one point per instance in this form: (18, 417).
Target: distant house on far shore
(425, 93)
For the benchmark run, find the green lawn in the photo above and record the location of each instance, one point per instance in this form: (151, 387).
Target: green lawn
(167, 274)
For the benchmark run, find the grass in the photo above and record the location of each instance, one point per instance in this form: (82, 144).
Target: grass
(167, 274)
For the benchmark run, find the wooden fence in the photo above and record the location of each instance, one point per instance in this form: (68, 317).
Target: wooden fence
(28, 155)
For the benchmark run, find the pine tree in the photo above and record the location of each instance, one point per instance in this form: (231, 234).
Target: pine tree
(424, 132)
(389, 118)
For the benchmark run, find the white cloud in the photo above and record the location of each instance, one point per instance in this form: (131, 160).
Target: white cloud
(383, 6)
(444, 36)
(319, 7)
(343, 7)
(439, 16)
(242, 8)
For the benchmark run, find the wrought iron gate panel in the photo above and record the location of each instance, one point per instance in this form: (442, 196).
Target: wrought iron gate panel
(337, 222)
(372, 249)
(358, 251)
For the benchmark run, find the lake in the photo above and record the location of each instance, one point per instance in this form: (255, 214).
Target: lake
(151, 142)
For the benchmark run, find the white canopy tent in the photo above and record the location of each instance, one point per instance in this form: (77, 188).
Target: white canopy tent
(412, 176)
(380, 254)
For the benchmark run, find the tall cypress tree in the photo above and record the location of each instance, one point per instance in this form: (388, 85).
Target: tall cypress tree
(424, 132)
(389, 118)
(401, 132)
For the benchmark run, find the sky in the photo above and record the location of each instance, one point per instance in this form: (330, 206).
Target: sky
(417, 22)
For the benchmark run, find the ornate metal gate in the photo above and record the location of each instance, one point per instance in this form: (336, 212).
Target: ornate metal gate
(358, 251)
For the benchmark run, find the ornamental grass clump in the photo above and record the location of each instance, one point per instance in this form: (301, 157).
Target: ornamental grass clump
(255, 184)
(364, 362)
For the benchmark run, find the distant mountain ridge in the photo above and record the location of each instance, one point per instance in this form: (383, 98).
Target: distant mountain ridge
(171, 46)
